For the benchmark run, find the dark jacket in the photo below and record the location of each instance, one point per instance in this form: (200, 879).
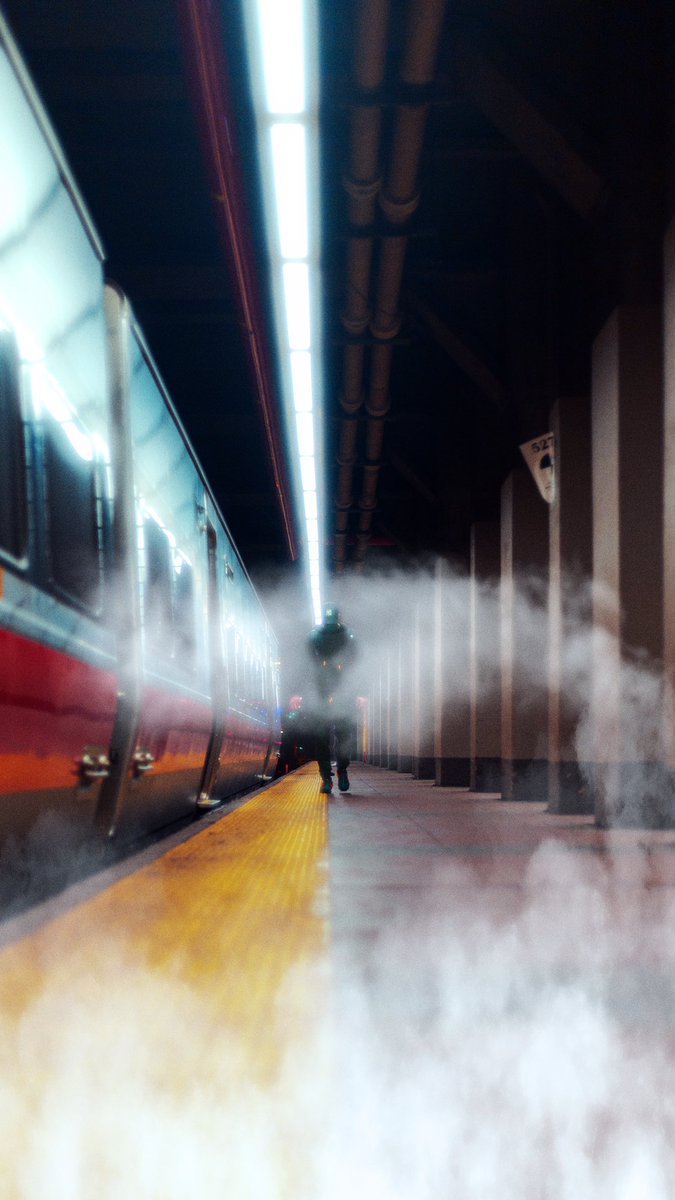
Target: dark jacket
(333, 649)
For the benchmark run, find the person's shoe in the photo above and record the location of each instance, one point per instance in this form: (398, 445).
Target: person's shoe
(326, 787)
(343, 780)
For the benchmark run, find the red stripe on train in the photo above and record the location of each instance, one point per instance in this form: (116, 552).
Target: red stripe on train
(52, 705)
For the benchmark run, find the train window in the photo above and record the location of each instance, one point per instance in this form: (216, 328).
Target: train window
(157, 594)
(184, 612)
(73, 516)
(13, 486)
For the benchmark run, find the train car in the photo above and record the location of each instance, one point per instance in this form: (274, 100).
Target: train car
(138, 672)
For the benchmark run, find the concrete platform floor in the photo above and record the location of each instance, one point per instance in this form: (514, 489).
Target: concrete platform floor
(402, 991)
(508, 994)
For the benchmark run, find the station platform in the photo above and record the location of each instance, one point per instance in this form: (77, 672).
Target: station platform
(401, 991)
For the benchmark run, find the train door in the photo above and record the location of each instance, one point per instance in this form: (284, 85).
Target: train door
(208, 788)
(164, 715)
(231, 775)
(176, 706)
(272, 708)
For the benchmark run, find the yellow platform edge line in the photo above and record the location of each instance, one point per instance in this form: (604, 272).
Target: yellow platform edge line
(238, 915)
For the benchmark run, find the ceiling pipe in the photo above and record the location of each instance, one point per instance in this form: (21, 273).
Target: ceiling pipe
(362, 184)
(398, 199)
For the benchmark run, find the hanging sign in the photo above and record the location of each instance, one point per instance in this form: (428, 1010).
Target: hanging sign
(539, 454)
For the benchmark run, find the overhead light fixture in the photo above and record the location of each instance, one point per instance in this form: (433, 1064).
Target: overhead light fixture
(289, 172)
(281, 30)
(305, 428)
(308, 473)
(282, 36)
(296, 294)
(301, 371)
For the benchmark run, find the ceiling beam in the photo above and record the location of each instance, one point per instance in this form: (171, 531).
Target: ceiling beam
(537, 139)
(467, 360)
(406, 472)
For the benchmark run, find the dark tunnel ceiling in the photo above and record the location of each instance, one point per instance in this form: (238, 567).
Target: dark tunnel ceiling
(543, 154)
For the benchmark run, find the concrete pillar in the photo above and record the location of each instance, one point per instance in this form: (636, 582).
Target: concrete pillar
(383, 715)
(423, 764)
(380, 754)
(363, 730)
(389, 749)
(627, 427)
(570, 568)
(368, 726)
(524, 639)
(450, 678)
(375, 713)
(485, 665)
(669, 505)
(405, 693)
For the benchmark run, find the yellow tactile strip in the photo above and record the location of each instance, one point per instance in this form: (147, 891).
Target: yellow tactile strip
(229, 919)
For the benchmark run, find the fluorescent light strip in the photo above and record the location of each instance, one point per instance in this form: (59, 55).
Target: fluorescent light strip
(301, 374)
(305, 429)
(289, 168)
(308, 474)
(283, 39)
(296, 295)
(283, 52)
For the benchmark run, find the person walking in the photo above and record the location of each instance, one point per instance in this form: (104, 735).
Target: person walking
(332, 647)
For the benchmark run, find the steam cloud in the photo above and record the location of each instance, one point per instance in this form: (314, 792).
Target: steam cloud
(634, 731)
(500, 1038)
(489, 1043)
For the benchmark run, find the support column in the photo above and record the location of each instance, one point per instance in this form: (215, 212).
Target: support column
(571, 565)
(669, 508)
(375, 706)
(389, 720)
(524, 629)
(381, 714)
(363, 730)
(405, 693)
(485, 665)
(423, 764)
(627, 567)
(451, 674)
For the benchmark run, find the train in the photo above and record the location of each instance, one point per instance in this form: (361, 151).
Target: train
(139, 673)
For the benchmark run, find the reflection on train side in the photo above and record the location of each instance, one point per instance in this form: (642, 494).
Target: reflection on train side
(140, 675)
